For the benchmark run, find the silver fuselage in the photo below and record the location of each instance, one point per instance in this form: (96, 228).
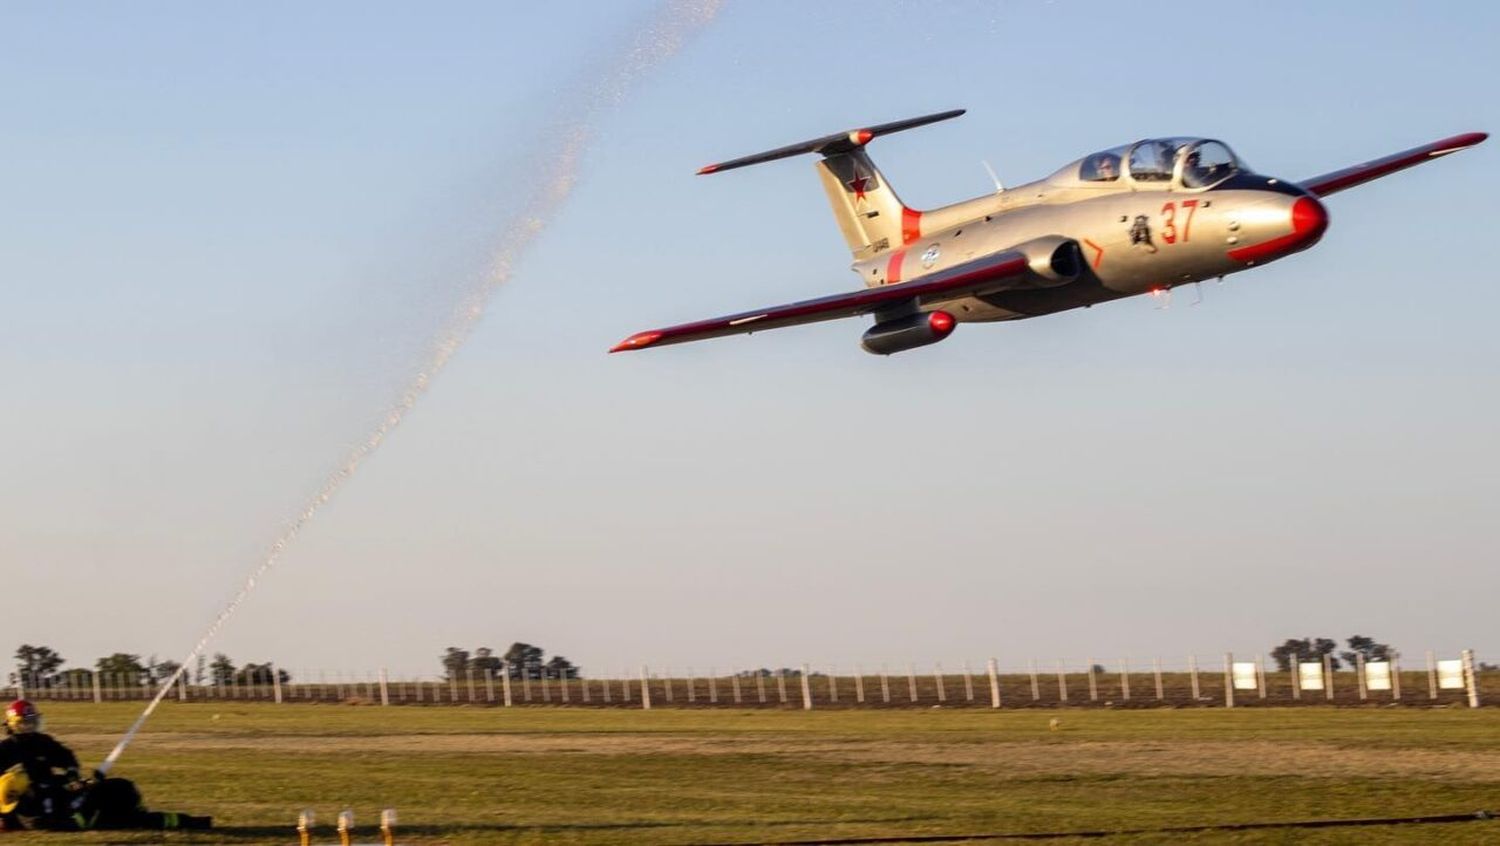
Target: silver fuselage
(1135, 238)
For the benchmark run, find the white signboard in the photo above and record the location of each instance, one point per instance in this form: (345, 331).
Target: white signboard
(1310, 675)
(1244, 676)
(1378, 675)
(1451, 674)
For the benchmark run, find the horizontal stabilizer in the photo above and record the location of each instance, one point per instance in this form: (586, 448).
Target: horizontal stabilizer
(829, 145)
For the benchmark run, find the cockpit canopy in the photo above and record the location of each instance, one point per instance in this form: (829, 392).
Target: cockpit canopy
(1192, 162)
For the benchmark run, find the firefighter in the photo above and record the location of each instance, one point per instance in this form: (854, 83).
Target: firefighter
(40, 786)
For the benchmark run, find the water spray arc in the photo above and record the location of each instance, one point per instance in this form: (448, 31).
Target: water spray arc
(654, 42)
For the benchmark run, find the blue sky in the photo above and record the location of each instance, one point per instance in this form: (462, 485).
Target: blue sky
(229, 232)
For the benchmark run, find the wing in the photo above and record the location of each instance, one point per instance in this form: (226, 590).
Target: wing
(1349, 177)
(981, 275)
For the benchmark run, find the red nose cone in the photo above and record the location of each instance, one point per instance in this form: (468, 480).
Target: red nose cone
(941, 323)
(1309, 219)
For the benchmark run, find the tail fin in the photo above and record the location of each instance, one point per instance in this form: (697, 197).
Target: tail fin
(871, 216)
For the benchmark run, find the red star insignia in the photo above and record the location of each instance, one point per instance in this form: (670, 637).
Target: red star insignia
(859, 184)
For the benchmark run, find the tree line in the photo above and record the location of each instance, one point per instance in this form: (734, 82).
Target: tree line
(43, 667)
(1312, 650)
(522, 660)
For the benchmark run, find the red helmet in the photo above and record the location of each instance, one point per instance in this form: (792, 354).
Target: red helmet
(22, 717)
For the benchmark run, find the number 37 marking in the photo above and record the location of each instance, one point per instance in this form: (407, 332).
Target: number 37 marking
(1169, 221)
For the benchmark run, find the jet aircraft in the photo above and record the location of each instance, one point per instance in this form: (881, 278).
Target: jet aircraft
(1135, 219)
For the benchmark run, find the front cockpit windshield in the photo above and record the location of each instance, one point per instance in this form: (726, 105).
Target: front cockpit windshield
(1207, 163)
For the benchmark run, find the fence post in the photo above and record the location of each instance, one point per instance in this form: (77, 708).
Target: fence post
(1193, 676)
(385, 688)
(645, 690)
(1395, 677)
(182, 687)
(98, 694)
(1328, 676)
(937, 677)
(505, 682)
(1036, 690)
(1260, 674)
(1156, 670)
(806, 690)
(1125, 679)
(760, 686)
(489, 684)
(885, 686)
(734, 688)
(859, 684)
(911, 682)
(968, 682)
(713, 685)
(1431, 676)
(833, 684)
(1093, 683)
(781, 684)
(1062, 683)
(1228, 680)
(275, 683)
(994, 684)
(1359, 675)
(692, 695)
(469, 672)
(1471, 677)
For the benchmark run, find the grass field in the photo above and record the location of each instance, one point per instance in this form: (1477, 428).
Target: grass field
(477, 775)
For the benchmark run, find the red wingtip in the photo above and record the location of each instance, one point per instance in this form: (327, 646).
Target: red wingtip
(863, 137)
(636, 341)
(707, 169)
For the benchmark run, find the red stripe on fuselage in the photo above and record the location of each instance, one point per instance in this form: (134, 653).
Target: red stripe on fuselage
(893, 267)
(911, 225)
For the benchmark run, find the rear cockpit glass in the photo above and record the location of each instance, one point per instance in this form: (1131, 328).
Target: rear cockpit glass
(1151, 161)
(1207, 163)
(1100, 167)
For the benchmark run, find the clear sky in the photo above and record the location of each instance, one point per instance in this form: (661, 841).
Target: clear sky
(229, 231)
